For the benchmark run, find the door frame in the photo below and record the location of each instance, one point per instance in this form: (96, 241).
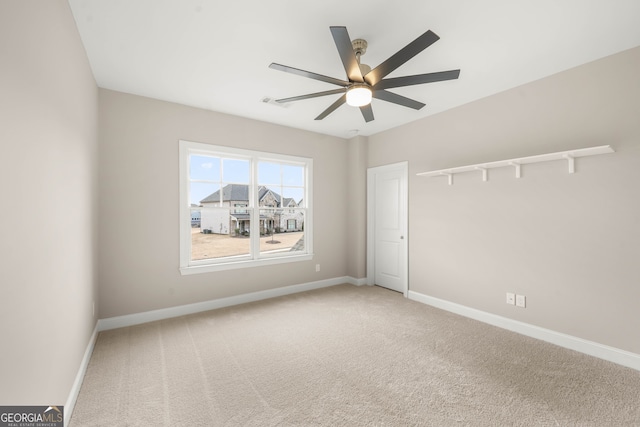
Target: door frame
(371, 205)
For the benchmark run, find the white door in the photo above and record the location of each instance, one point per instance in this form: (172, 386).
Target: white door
(387, 259)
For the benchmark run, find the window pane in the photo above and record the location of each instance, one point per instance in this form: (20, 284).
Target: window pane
(268, 173)
(293, 175)
(236, 171)
(240, 208)
(222, 233)
(200, 192)
(281, 231)
(204, 168)
(243, 207)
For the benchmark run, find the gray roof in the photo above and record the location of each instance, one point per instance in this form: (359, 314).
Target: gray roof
(287, 200)
(262, 191)
(238, 192)
(229, 192)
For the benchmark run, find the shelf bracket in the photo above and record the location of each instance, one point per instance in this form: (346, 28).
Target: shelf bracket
(450, 176)
(572, 162)
(484, 172)
(518, 168)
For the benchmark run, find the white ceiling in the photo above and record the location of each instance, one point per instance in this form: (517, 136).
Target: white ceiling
(215, 54)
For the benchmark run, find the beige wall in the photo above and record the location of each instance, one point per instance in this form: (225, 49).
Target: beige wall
(570, 243)
(357, 207)
(48, 143)
(139, 239)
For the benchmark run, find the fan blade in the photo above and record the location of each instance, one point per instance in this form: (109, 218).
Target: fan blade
(403, 55)
(311, 95)
(333, 107)
(347, 55)
(367, 113)
(309, 74)
(418, 79)
(397, 99)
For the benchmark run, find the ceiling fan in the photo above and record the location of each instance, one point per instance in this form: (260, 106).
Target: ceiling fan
(364, 83)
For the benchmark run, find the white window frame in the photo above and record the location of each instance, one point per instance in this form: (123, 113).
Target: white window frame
(187, 266)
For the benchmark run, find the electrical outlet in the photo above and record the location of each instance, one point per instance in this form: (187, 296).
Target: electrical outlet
(511, 298)
(317, 267)
(521, 301)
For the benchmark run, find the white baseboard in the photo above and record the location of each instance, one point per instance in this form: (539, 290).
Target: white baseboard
(358, 282)
(75, 388)
(166, 313)
(611, 354)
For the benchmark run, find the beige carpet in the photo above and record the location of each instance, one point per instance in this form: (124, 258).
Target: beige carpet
(345, 356)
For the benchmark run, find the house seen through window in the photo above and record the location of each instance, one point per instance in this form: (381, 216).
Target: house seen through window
(242, 207)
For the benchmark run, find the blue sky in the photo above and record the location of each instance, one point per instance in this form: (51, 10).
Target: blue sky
(210, 173)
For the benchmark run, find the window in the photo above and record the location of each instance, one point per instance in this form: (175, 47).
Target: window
(246, 207)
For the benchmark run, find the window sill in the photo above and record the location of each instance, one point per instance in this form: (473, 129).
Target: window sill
(197, 269)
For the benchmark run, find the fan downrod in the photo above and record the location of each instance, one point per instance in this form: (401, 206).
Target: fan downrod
(360, 48)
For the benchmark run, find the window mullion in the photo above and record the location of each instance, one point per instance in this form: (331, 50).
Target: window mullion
(255, 211)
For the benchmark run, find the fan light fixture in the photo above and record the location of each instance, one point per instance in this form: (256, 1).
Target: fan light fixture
(359, 95)
(362, 81)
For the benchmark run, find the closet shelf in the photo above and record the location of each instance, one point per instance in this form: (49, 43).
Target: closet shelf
(569, 156)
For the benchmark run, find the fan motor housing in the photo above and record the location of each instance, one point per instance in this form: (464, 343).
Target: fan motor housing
(359, 46)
